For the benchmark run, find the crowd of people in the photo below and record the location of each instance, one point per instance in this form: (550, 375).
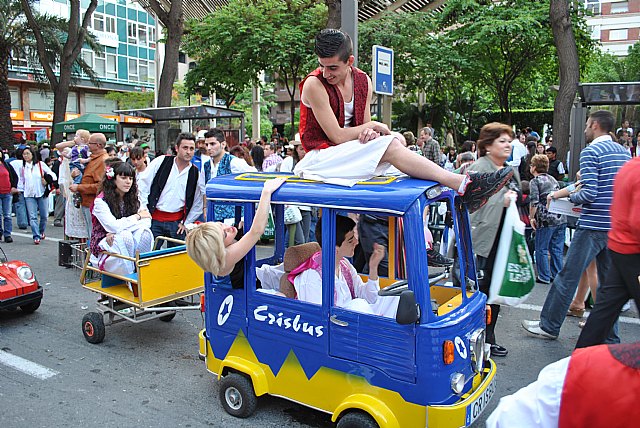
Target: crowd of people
(120, 198)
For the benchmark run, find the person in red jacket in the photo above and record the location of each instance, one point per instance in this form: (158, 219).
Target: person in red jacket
(345, 146)
(623, 281)
(591, 388)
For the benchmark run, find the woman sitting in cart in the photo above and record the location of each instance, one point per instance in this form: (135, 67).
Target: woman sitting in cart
(215, 248)
(350, 292)
(119, 225)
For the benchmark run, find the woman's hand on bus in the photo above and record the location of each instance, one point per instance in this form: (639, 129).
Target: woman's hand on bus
(271, 186)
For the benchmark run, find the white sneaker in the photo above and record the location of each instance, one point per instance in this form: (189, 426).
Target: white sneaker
(626, 306)
(533, 327)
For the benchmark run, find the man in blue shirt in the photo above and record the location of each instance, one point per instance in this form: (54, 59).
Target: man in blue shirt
(599, 164)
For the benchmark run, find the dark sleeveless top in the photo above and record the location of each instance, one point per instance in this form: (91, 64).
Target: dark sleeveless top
(311, 133)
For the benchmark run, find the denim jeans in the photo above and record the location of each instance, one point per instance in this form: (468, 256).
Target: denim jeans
(7, 224)
(586, 245)
(168, 229)
(21, 212)
(549, 241)
(35, 205)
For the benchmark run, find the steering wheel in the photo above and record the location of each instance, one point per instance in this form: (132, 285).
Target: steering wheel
(394, 289)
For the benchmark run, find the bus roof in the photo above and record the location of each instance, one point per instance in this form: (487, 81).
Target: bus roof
(393, 195)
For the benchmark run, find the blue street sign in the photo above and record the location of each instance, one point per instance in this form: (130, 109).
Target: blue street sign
(382, 70)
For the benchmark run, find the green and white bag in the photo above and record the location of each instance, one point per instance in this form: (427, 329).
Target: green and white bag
(513, 275)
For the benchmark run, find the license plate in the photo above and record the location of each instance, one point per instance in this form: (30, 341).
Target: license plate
(475, 409)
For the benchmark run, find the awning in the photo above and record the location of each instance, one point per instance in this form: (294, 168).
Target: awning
(89, 122)
(160, 114)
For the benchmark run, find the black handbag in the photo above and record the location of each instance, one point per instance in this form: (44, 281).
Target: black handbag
(47, 182)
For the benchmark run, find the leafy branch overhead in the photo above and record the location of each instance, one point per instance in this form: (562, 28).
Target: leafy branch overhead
(233, 45)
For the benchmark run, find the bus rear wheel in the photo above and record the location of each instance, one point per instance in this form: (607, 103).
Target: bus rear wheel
(356, 419)
(237, 396)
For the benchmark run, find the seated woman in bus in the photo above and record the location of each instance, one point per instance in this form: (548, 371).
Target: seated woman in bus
(119, 226)
(349, 292)
(215, 246)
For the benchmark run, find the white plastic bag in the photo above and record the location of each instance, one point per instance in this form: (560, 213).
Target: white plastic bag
(513, 276)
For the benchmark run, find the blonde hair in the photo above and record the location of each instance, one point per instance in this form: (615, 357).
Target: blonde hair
(205, 246)
(83, 133)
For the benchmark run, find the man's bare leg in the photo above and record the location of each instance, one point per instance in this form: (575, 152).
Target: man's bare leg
(418, 166)
(475, 188)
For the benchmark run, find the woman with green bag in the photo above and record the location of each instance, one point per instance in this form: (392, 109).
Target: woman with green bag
(494, 148)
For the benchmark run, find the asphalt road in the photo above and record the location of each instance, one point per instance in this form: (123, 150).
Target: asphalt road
(149, 375)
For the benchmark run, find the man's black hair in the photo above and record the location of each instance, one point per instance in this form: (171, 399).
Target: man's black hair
(185, 136)
(215, 133)
(551, 149)
(604, 119)
(331, 42)
(343, 226)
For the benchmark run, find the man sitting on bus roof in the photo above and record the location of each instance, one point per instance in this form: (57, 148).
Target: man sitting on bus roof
(335, 126)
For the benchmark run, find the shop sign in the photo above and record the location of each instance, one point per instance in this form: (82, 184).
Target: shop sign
(41, 116)
(134, 119)
(17, 115)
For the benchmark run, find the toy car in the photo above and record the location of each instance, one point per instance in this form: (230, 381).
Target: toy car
(19, 287)
(428, 366)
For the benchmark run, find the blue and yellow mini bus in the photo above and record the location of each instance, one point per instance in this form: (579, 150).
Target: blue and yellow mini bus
(427, 367)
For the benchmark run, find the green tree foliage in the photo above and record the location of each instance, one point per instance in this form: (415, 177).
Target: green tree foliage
(131, 100)
(58, 43)
(605, 67)
(505, 44)
(17, 40)
(235, 43)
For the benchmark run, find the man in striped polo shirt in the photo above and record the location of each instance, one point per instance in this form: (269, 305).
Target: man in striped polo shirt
(599, 164)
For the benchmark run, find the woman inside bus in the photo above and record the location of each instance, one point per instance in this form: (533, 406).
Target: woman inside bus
(349, 290)
(119, 225)
(215, 246)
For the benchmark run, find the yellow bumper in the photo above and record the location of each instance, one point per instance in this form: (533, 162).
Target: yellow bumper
(470, 406)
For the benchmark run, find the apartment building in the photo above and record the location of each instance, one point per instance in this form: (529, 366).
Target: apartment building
(615, 23)
(128, 35)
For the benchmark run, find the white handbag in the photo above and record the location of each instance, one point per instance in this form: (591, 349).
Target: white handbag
(292, 215)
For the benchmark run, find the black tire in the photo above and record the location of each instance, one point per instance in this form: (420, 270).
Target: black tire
(237, 396)
(93, 327)
(355, 419)
(30, 308)
(168, 317)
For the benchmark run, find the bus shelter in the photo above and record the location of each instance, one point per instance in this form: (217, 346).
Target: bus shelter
(596, 94)
(166, 114)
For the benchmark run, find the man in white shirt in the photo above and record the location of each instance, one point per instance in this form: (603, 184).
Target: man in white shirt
(271, 158)
(625, 127)
(219, 162)
(518, 150)
(172, 189)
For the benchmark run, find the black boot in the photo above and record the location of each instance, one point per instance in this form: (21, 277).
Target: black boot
(483, 185)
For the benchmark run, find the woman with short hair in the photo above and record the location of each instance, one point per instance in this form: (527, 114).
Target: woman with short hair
(494, 148)
(550, 228)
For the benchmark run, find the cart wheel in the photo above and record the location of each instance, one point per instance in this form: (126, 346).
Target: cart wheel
(30, 308)
(93, 327)
(355, 419)
(237, 395)
(168, 317)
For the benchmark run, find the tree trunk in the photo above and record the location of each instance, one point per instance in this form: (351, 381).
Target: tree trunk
(75, 40)
(565, 41)
(293, 113)
(334, 19)
(60, 98)
(173, 21)
(6, 127)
